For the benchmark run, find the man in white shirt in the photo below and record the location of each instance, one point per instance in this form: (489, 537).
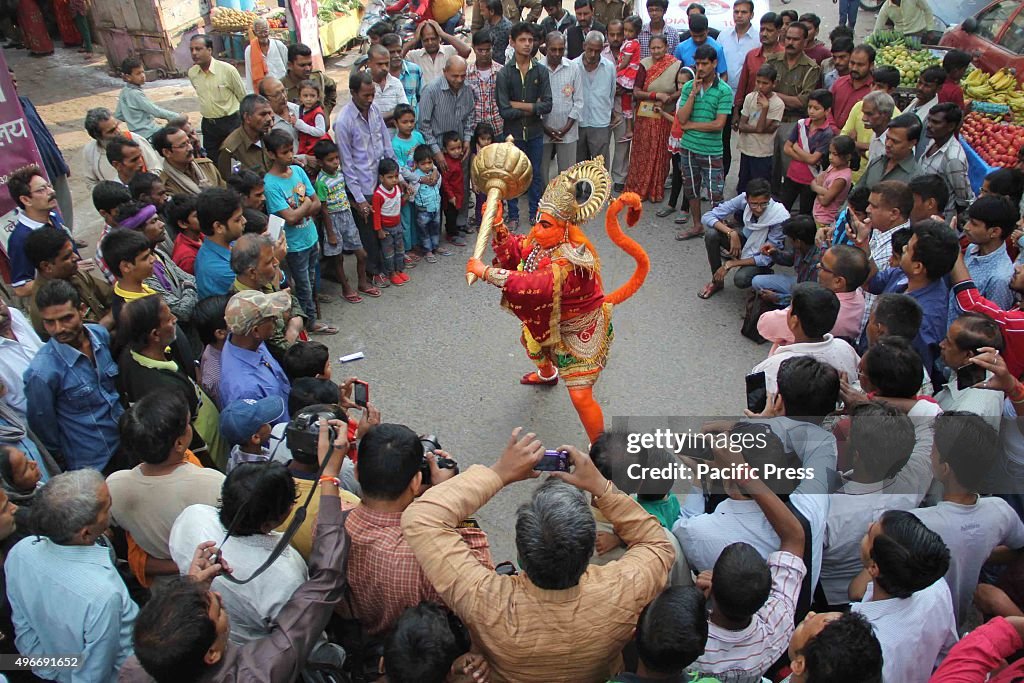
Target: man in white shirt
(18, 346)
(597, 112)
(965, 336)
(255, 498)
(432, 56)
(273, 53)
(904, 596)
(560, 129)
(972, 527)
(389, 90)
(736, 42)
(881, 437)
(812, 314)
(928, 85)
(877, 111)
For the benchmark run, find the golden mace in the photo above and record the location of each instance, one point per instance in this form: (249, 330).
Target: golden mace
(503, 171)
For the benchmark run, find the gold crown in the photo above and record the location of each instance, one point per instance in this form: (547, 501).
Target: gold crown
(588, 179)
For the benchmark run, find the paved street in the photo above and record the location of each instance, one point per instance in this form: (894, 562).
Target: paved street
(443, 357)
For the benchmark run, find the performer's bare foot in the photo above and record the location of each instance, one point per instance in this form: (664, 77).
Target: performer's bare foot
(535, 379)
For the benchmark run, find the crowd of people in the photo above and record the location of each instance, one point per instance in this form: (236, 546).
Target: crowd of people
(187, 494)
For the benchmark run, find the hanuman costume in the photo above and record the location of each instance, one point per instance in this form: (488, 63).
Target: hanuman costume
(551, 280)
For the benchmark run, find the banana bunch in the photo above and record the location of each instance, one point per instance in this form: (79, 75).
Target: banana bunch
(1003, 80)
(882, 38)
(975, 78)
(1000, 88)
(980, 86)
(228, 19)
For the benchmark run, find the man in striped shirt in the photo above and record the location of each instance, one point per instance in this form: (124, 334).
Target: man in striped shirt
(705, 106)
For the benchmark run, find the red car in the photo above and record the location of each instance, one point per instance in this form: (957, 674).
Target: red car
(995, 36)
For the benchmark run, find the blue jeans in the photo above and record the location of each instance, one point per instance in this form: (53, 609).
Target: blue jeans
(303, 266)
(534, 149)
(848, 12)
(428, 225)
(781, 284)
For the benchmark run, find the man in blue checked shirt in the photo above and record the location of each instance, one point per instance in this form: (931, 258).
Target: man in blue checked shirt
(73, 404)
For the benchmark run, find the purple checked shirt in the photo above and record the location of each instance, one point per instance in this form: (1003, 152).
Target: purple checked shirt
(362, 143)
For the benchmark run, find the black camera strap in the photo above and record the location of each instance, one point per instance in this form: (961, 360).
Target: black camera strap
(297, 520)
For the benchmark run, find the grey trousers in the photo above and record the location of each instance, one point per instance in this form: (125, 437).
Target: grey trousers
(565, 153)
(593, 142)
(620, 159)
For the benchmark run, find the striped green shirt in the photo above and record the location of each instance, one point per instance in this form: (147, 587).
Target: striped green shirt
(708, 104)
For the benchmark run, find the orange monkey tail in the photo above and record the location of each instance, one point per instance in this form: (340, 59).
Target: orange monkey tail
(627, 244)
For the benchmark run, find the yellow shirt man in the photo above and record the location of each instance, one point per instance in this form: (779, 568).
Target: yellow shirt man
(220, 89)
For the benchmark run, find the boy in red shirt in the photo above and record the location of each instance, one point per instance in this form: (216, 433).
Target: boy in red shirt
(387, 221)
(955, 62)
(453, 181)
(181, 213)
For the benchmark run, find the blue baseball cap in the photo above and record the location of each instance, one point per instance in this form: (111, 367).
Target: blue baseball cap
(243, 418)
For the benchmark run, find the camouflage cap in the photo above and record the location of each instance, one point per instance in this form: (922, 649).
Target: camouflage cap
(247, 309)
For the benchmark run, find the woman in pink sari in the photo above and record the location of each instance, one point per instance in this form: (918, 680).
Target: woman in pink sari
(649, 156)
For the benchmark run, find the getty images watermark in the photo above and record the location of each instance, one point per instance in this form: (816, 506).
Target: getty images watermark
(698, 460)
(661, 455)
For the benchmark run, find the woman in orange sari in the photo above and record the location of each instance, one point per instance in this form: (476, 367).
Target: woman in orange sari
(649, 156)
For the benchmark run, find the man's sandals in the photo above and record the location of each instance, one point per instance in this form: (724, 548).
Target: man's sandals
(534, 378)
(323, 328)
(369, 291)
(710, 289)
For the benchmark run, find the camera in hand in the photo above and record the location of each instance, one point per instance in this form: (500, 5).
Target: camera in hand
(553, 461)
(303, 432)
(431, 444)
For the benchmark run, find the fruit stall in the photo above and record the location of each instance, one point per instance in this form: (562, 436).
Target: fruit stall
(233, 26)
(991, 141)
(993, 130)
(338, 23)
(909, 56)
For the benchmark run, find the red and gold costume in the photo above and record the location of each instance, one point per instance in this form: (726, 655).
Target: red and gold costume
(551, 280)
